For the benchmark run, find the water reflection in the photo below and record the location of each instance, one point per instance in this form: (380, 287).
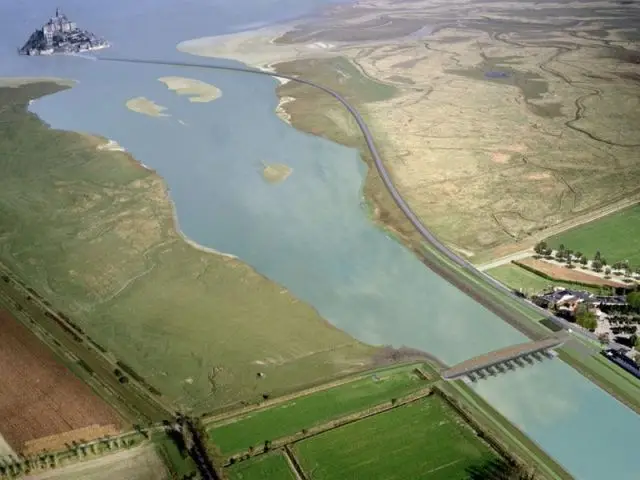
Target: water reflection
(583, 427)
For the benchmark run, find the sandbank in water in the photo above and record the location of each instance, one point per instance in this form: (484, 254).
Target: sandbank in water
(200, 91)
(146, 107)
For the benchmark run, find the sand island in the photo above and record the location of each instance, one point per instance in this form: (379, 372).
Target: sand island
(276, 172)
(200, 91)
(147, 107)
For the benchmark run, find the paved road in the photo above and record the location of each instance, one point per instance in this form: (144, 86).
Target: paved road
(386, 178)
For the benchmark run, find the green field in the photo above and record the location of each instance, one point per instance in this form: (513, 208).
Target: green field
(616, 236)
(304, 412)
(93, 233)
(424, 439)
(529, 283)
(272, 466)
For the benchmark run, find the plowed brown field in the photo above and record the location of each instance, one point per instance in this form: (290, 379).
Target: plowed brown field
(40, 397)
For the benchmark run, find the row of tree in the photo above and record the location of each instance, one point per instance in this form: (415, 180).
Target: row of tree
(624, 320)
(626, 329)
(24, 464)
(598, 263)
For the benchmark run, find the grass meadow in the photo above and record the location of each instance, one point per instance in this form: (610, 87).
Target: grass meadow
(424, 439)
(616, 236)
(272, 466)
(304, 412)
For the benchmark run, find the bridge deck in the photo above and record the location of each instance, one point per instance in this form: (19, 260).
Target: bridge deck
(499, 356)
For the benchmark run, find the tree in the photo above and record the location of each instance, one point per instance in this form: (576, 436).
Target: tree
(540, 247)
(633, 299)
(585, 317)
(583, 260)
(596, 265)
(607, 271)
(597, 255)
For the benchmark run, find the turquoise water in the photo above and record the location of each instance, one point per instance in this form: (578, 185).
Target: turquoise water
(311, 232)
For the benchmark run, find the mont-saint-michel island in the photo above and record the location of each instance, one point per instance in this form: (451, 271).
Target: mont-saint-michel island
(60, 35)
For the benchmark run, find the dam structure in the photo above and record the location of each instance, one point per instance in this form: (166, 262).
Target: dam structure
(503, 360)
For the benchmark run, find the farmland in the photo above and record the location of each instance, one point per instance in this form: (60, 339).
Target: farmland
(435, 431)
(616, 237)
(199, 327)
(273, 466)
(43, 405)
(561, 273)
(311, 410)
(141, 463)
(528, 282)
(424, 439)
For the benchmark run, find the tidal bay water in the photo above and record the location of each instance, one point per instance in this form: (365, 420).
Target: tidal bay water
(310, 233)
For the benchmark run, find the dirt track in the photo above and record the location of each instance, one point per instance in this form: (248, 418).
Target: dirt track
(140, 463)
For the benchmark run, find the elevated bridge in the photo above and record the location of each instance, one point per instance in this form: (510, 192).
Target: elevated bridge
(499, 361)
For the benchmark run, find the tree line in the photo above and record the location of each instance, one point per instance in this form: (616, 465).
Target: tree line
(598, 263)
